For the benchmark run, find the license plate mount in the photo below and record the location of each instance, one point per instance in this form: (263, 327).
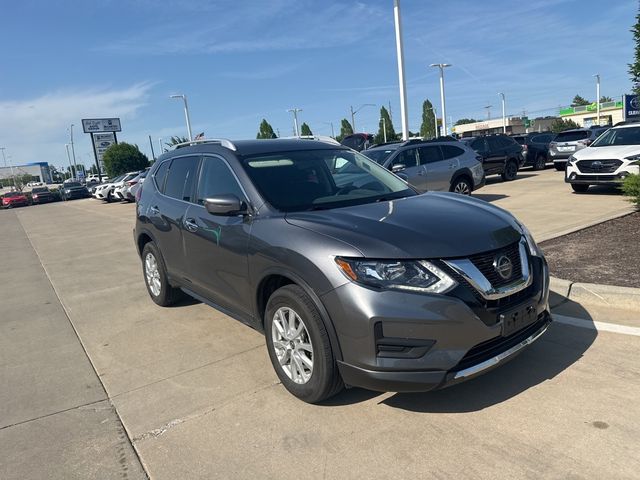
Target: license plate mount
(517, 318)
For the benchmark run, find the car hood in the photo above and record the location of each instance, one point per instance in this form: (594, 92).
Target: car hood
(432, 225)
(614, 151)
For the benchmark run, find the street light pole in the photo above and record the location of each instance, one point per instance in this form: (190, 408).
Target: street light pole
(73, 151)
(295, 120)
(504, 115)
(597, 97)
(441, 67)
(186, 114)
(435, 122)
(333, 135)
(353, 113)
(66, 145)
(160, 145)
(401, 81)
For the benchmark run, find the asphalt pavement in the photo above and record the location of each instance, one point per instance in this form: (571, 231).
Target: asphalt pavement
(82, 347)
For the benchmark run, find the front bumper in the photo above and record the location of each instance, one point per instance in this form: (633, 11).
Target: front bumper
(404, 342)
(595, 179)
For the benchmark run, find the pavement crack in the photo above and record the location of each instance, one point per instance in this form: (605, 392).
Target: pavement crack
(84, 406)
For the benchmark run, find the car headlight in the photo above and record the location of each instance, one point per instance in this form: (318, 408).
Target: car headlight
(531, 243)
(414, 276)
(572, 159)
(635, 159)
(67, 191)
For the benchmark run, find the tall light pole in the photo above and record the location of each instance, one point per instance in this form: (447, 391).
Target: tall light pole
(353, 113)
(401, 81)
(504, 115)
(73, 151)
(597, 75)
(160, 145)
(186, 113)
(66, 145)
(441, 67)
(384, 128)
(333, 135)
(295, 120)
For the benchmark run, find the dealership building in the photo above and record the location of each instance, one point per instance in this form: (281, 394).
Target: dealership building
(40, 171)
(587, 115)
(515, 125)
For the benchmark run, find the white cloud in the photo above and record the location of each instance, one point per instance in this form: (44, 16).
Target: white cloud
(36, 129)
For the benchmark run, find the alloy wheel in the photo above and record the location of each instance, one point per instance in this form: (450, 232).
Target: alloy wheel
(462, 188)
(292, 345)
(152, 274)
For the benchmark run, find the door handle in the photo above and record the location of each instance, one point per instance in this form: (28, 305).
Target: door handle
(190, 224)
(154, 210)
(422, 173)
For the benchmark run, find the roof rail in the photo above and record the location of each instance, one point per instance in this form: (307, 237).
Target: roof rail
(221, 141)
(319, 138)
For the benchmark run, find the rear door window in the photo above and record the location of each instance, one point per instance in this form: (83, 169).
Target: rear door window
(451, 151)
(430, 154)
(572, 136)
(160, 175)
(180, 179)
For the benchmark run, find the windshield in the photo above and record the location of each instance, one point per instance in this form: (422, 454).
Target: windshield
(322, 179)
(378, 156)
(618, 136)
(71, 184)
(571, 136)
(520, 140)
(39, 190)
(13, 194)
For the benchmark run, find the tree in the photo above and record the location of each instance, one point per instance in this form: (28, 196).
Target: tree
(634, 68)
(176, 140)
(428, 128)
(464, 121)
(579, 101)
(386, 125)
(305, 130)
(265, 130)
(604, 99)
(124, 157)
(559, 125)
(345, 129)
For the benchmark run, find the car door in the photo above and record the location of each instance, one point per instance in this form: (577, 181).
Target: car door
(437, 168)
(167, 210)
(216, 246)
(496, 156)
(416, 173)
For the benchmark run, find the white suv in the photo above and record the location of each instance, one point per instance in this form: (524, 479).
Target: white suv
(607, 161)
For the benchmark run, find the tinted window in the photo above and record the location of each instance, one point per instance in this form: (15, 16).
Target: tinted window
(542, 138)
(572, 136)
(494, 143)
(160, 175)
(520, 140)
(39, 190)
(408, 158)
(430, 154)
(505, 142)
(181, 177)
(478, 145)
(378, 155)
(450, 151)
(216, 179)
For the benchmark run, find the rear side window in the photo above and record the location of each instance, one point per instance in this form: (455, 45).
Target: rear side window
(542, 139)
(160, 175)
(217, 179)
(430, 154)
(180, 179)
(520, 140)
(451, 151)
(572, 136)
(478, 145)
(506, 142)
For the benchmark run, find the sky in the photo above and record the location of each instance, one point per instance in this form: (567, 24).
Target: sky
(241, 61)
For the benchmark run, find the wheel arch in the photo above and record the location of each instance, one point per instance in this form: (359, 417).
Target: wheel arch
(464, 173)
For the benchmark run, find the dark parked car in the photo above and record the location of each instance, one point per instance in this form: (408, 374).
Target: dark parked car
(73, 190)
(569, 142)
(358, 141)
(41, 195)
(535, 148)
(501, 155)
(14, 199)
(364, 284)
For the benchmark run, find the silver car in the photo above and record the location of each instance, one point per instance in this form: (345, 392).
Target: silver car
(435, 165)
(569, 142)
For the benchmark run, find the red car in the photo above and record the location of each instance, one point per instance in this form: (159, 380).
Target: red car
(14, 199)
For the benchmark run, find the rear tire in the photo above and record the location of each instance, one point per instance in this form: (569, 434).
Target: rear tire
(296, 338)
(559, 167)
(462, 186)
(580, 187)
(510, 171)
(155, 277)
(540, 163)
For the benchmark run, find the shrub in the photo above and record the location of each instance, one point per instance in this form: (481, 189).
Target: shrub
(631, 188)
(122, 158)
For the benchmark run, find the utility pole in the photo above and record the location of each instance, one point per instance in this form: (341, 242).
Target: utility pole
(333, 135)
(66, 145)
(353, 113)
(441, 67)
(504, 117)
(73, 151)
(153, 154)
(597, 97)
(488, 107)
(295, 111)
(5, 166)
(401, 81)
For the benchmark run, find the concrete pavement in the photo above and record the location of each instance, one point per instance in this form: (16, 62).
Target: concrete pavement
(199, 399)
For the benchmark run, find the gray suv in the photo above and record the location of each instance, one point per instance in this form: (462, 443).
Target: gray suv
(569, 142)
(438, 165)
(354, 278)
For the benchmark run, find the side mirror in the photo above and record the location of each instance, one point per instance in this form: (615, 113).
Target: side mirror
(398, 167)
(225, 205)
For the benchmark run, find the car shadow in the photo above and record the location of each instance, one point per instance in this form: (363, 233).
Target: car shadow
(489, 197)
(558, 349)
(493, 179)
(602, 190)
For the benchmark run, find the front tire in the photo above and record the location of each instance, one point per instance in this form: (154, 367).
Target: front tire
(540, 164)
(579, 187)
(155, 277)
(510, 171)
(299, 347)
(559, 167)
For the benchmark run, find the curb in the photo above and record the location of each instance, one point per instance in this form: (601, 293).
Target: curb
(597, 295)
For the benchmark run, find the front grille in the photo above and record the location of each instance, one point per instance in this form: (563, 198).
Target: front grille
(596, 178)
(598, 166)
(489, 349)
(484, 262)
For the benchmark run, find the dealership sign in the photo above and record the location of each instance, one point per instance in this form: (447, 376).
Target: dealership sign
(631, 107)
(97, 125)
(102, 141)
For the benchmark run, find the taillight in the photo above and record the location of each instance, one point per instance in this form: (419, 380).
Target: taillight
(132, 182)
(138, 194)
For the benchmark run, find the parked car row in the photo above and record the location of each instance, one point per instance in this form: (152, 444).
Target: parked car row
(121, 188)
